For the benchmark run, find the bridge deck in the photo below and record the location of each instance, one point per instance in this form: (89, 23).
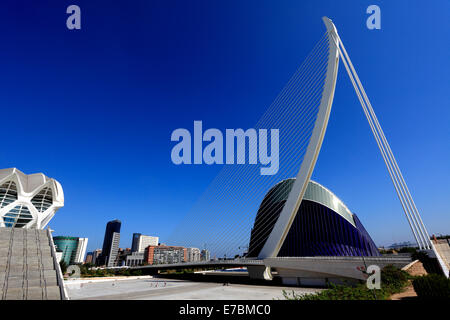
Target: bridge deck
(287, 262)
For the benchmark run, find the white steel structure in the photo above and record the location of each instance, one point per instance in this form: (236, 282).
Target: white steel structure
(28, 201)
(279, 232)
(225, 211)
(287, 215)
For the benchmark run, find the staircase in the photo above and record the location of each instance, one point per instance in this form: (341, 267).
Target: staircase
(28, 268)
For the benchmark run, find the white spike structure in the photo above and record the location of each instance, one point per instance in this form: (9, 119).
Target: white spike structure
(279, 232)
(28, 201)
(287, 215)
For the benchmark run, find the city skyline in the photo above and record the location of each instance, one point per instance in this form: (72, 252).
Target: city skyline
(127, 119)
(144, 250)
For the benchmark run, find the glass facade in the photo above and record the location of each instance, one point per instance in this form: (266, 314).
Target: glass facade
(8, 193)
(319, 231)
(43, 200)
(135, 242)
(28, 201)
(68, 247)
(17, 217)
(267, 215)
(323, 225)
(20, 215)
(318, 193)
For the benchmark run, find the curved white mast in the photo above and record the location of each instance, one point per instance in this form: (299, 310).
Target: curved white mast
(287, 215)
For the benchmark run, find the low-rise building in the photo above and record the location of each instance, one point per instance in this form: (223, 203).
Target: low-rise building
(193, 254)
(134, 259)
(165, 254)
(121, 258)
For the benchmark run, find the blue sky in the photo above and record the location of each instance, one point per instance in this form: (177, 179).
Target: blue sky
(95, 108)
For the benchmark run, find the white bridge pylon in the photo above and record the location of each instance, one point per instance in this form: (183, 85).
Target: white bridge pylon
(281, 228)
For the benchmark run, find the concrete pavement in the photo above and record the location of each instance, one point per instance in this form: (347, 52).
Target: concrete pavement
(174, 289)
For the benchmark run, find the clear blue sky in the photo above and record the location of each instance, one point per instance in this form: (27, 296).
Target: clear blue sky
(95, 108)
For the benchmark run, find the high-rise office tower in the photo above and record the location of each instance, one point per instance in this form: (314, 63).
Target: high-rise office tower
(135, 242)
(110, 243)
(205, 255)
(113, 253)
(96, 255)
(89, 257)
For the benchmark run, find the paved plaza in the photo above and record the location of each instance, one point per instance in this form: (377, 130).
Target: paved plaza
(171, 289)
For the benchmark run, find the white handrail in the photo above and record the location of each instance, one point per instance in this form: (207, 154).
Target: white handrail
(59, 274)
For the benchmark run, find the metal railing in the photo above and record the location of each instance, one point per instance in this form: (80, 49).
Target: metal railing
(59, 275)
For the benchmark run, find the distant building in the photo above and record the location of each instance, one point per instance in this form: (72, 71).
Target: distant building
(134, 259)
(140, 242)
(89, 257)
(121, 258)
(81, 250)
(111, 258)
(205, 255)
(95, 254)
(110, 244)
(165, 254)
(135, 242)
(73, 248)
(193, 254)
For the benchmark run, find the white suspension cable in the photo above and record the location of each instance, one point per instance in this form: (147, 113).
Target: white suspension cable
(292, 82)
(380, 146)
(410, 203)
(272, 118)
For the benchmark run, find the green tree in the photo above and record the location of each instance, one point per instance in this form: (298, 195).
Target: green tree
(393, 280)
(432, 286)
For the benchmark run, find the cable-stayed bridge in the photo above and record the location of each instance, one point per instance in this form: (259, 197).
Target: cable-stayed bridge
(222, 220)
(293, 270)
